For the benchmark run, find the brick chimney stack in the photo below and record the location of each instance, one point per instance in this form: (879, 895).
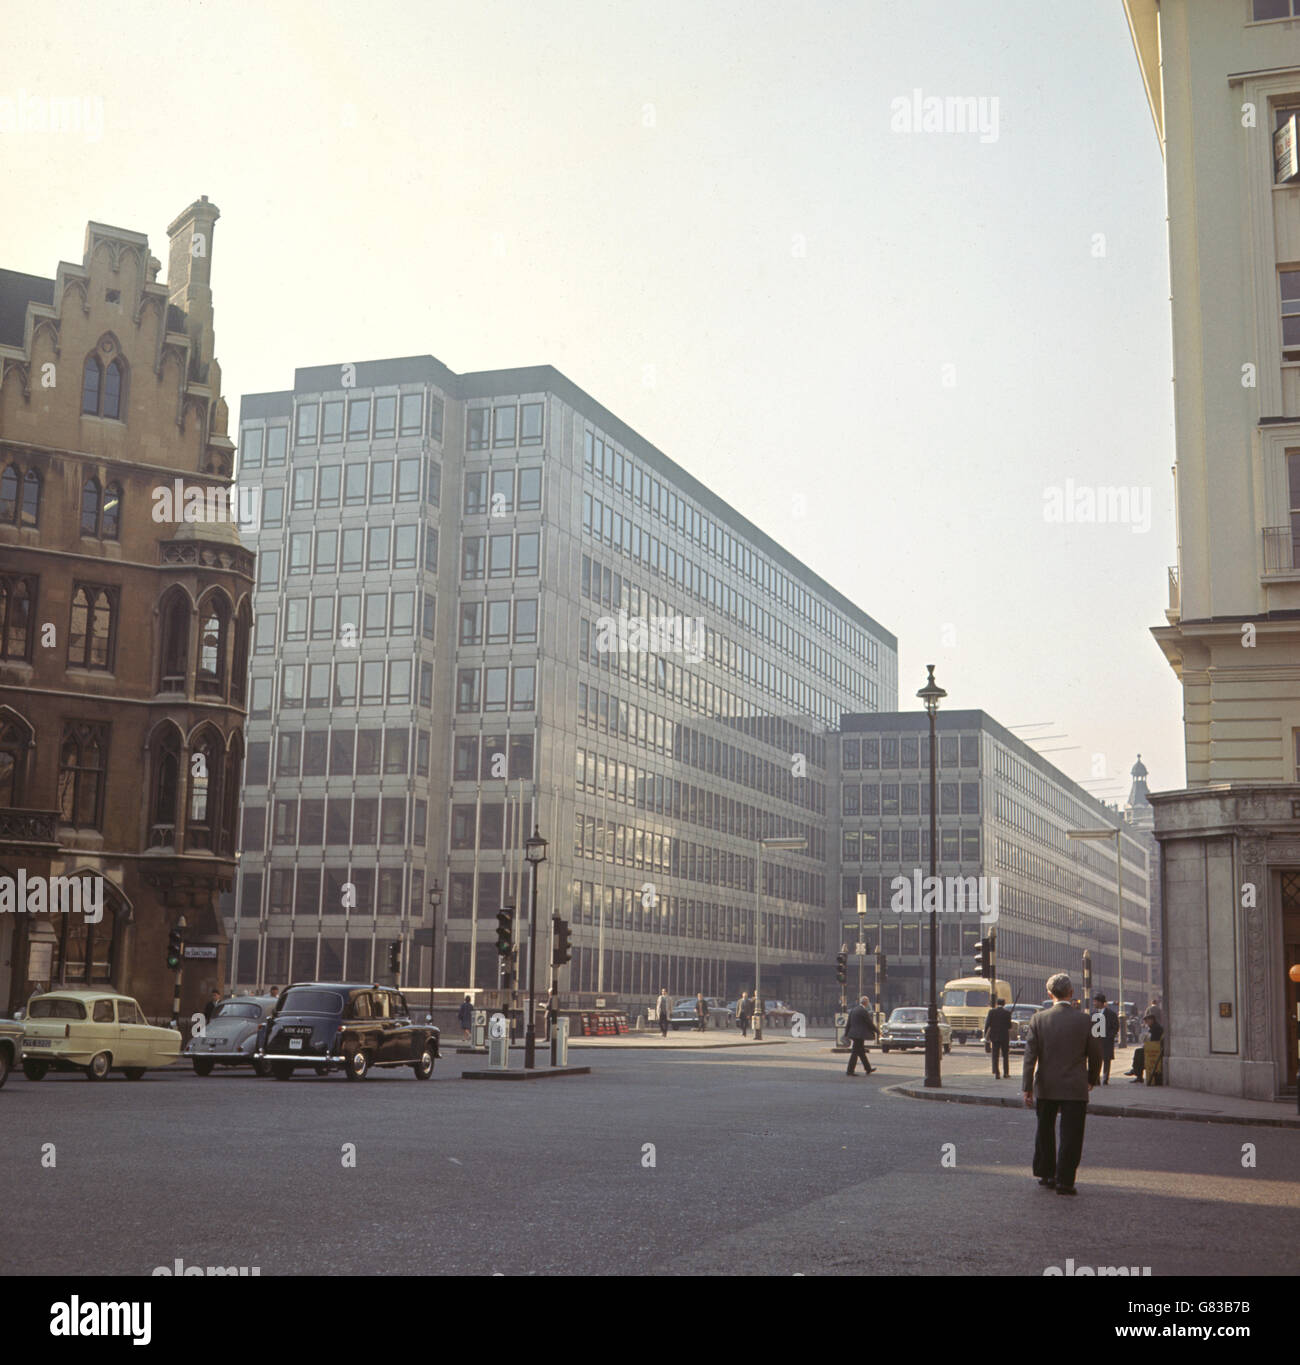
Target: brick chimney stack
(189, 278)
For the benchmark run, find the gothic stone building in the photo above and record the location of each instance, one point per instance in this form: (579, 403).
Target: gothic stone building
(123, 636)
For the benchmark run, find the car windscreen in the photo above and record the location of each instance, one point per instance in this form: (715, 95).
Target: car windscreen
(303, 1000)
(56, 1009)
(908, 1017)
(235, 1010)
(962, 999)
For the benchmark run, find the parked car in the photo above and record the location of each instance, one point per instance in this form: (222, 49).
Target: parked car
(777, 1014)
(720, 1013)
(1020, 1017)
(327, 1024)
(95, 1032)
(905, 1028)
(11, 1046)
(231, 1036)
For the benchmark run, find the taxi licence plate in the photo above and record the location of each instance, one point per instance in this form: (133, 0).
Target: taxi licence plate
(295, 1044)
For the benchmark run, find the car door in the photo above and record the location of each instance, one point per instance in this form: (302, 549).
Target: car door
(103, 1033)
(361, 1025)
(136, 1044)
(394, 1030)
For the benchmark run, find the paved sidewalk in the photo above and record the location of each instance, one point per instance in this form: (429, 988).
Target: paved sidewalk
(684, 1040)
(1121, 1098)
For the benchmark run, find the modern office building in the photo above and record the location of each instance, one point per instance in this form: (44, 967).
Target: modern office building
(1223, 81)
(486, 605)
(123, 626)
(1004, 812)
(1141, 817)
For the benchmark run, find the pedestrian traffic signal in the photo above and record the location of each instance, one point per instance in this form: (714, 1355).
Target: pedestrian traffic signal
(841, 965)
(561, 952)
(175, 947)
(506, 930)
(394, 957)
(984, 958)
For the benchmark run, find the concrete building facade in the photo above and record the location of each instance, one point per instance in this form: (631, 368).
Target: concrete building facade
(123, 626)
(554, 626)
(1223, 80)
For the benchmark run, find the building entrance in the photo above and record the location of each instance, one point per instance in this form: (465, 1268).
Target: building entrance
(1290, 883)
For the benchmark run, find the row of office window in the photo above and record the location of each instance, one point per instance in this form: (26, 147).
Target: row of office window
(360, 484)
(492, 826)
(910, 751)
(603, 462)
(496, 757)
(910, 846)
(737, 766)
(613, 780)
(350, 550)
(503, 491)
(338, 752)
(503, 426)
(909, 798)
(496, 689)
(1041, 791)
(622, 534)
(344, 618)
(500, 556)
(335, 821)
(378, 418)
(335, 889)
(381, 681)
(491, 622)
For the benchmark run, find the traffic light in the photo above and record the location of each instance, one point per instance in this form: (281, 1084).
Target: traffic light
(506, 930)
(841, 967)
(394, 957)
(983, 958)
(175, 947)
(561, 952)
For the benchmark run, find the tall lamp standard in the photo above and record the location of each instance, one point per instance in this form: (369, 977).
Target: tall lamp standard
(535, 852)
(435, 900)
(932, 694)
(793, 845)
(1119, 892)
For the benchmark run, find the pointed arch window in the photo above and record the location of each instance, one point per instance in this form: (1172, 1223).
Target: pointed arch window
(230, 791)
(90, 496)
(92, 634)
(17, 602)
(15, 743)
(239, 665)
(175, 652)
(83, 952)
(92, 376)
(214, 619)
(205, 773)
(10, 480)
(83, 762)
(110, 515)
(31, 509)
(113, 390)
(164, 791)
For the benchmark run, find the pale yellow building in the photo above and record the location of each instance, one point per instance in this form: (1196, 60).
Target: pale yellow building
(1223, 80)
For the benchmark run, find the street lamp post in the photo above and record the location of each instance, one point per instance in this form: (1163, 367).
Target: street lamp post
(932, 694)
(435, 900)
(791, 844)
(862, 943)
(535, 852)
(1116, 833)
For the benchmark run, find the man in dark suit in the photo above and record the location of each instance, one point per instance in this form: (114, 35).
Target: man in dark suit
(997, 1029)
(1059, 1043)
(858, 1030)
(1107, 1021)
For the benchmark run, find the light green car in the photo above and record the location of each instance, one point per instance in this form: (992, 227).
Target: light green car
(94, 1032)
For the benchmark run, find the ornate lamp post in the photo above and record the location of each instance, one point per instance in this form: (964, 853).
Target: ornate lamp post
(435, 900)
(931, 694)
(535, 852)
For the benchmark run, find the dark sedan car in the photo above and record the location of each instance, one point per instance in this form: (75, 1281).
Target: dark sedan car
(232, 1035)
(328, 1024)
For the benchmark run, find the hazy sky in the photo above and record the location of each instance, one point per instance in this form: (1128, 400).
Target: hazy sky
(882, 346)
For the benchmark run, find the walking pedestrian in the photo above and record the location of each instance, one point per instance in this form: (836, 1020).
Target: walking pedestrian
(857, 1031)
(465, 1016)
(744, 1013)
(663, 1010)
(1106, 1023)
(1060, 1046)
(211, 1007)
(701, 1011)
(997, 1029)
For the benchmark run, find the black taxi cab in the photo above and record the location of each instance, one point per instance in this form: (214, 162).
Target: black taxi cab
(352, 1026)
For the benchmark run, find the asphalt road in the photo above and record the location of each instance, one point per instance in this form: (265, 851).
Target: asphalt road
(728, 1162)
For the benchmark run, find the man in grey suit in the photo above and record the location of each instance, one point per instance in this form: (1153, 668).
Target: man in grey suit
(1060, 1043)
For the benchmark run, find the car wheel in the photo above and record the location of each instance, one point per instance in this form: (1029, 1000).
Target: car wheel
(133, 1073)
(261, 1067)
(4, 1066)
(281, 1070)
(883, 1049)
(424, 1067)
(35, 1071)
(357, 1065)
(97, 1069)
(203, 1066)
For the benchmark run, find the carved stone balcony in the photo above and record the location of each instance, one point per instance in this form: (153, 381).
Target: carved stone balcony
(29, 831)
